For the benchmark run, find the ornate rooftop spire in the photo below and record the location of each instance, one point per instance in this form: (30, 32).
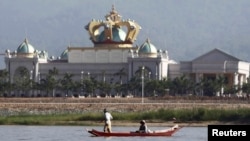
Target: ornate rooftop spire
(148, 40)
(26, 41)
(113, 15)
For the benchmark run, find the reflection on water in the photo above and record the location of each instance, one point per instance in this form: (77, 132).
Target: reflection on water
(79, 133)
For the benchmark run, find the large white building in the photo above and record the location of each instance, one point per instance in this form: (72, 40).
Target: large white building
(114, 51)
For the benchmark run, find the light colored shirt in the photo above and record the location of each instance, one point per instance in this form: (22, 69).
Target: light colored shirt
(108, 117)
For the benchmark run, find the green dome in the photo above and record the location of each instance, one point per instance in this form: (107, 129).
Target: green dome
(118, 35)
(64, 55)
(25, 47)
(147, 47)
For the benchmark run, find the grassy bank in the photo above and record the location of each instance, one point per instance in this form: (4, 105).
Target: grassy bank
(237, 116)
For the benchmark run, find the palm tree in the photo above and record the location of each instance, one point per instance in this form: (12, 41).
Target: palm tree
(134, 85)
(23, 82)
(165, 85)
(220, 83)
(121, 73)
(209, 87)
(67, 83)
(151, 87)
(90, 85)
(4, 84)
(105, 88)
(198, 88)
(119, 86)
(246, 87)
(180, 85)
(50, 82)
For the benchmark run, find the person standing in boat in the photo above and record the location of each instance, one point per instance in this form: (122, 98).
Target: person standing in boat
(143, 127)
(107, 125)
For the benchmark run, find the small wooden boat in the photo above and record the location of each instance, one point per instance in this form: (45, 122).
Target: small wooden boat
(164, 132)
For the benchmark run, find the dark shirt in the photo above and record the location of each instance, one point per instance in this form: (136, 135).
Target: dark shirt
(142, 128)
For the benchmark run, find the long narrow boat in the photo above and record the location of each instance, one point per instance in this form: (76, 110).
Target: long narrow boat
(163, 132)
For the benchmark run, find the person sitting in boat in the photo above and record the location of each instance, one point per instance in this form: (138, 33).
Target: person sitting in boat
(107, 124)
(143, 127)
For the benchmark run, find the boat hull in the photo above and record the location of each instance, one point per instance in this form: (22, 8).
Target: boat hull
(166, 132)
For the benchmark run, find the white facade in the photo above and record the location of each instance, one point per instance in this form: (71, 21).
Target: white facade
(98, 55)
(214, 64)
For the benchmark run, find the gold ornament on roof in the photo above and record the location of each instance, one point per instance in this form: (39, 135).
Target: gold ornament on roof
(113, 30)
(113, 15)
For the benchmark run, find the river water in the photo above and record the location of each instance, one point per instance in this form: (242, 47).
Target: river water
(79, 133)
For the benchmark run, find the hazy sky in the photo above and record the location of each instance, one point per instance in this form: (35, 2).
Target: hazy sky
(185, 28)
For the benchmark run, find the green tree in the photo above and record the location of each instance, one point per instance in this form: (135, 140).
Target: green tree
(121, 73)
(209, 87)
(105, 88)
(246, 87)
(90, 85)
(50, 82)
(165, 86)
(4, 84)
(220, 84)
(134, 85)
(180, 85)
(23, 81)
(67, 83)
(151, 87)
(119, 86)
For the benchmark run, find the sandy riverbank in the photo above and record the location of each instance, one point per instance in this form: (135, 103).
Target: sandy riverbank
(157, 124)
(116, 105)
(10, 106)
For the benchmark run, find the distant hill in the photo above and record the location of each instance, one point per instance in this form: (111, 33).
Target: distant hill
(185, 28)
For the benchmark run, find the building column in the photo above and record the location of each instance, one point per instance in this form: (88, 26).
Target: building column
(236, 81)
(241, 80)
(160, 71)
(156, 71)
(217, 76)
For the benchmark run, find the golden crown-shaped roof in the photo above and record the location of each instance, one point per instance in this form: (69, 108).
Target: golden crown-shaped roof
(113, 30)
